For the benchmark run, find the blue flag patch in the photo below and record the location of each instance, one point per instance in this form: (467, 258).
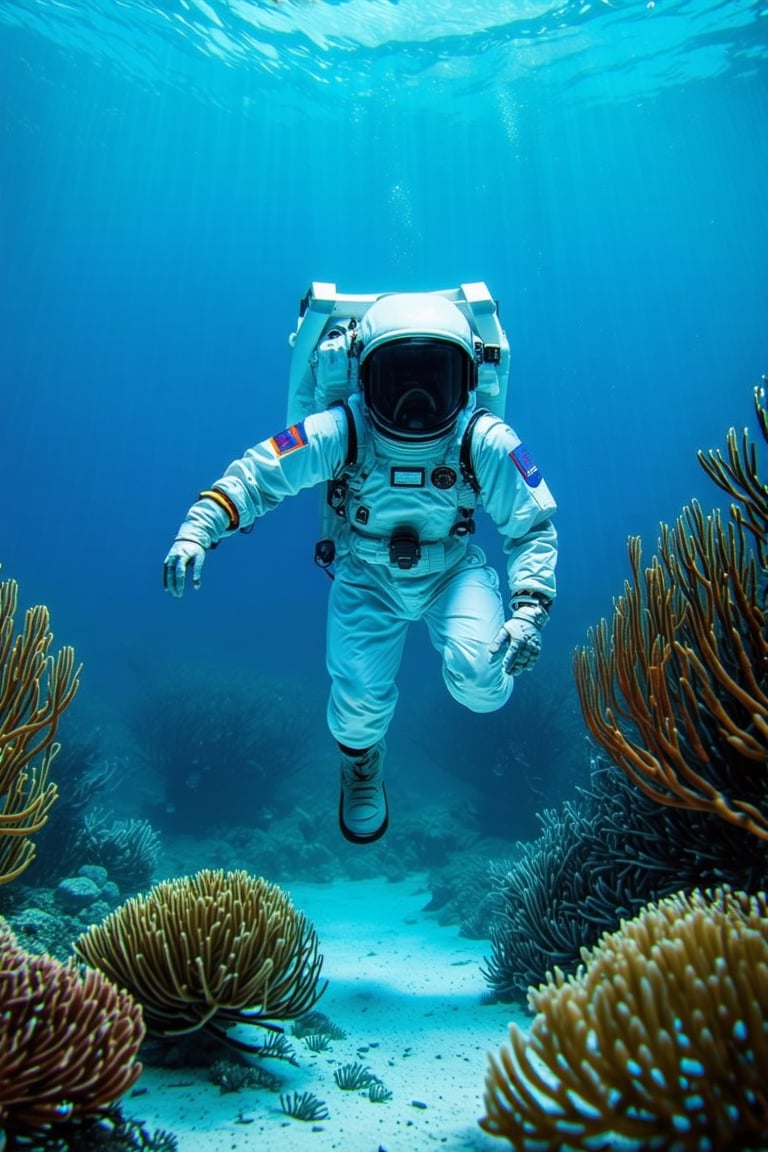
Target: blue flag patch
(289, 439)
(526, 466)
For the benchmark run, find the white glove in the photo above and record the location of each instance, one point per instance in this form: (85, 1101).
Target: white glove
(183, 554)
(522, 636)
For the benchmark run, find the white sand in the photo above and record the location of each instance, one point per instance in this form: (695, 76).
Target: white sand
(404, 989)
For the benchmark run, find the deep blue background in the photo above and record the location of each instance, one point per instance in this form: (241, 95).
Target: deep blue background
(153, 249)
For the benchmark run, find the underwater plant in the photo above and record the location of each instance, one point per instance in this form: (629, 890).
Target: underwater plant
(462, 890)
(304, 1106)
(109, 1132)
(128, 849)
(277, 1047)
(675, 690)
(378, 1093)
(209, 951)
(68, 1040)
(317, 1022)
(35, 689)
(317, 1041)
(59, 851)
(353, 1076)
(599, 858)
(676, 694)
(661, 1039)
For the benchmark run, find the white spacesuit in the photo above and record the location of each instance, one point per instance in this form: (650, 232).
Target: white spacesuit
(408, 458)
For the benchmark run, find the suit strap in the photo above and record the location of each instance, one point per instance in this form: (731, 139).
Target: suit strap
(352, 441)
(465, 452)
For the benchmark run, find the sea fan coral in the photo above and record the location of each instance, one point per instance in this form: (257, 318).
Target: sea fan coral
(68, 1039)
(35, 689)
(661, 1039)
(675, 689)
(209, 951)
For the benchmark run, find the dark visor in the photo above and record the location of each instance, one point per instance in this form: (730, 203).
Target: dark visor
(416, 387)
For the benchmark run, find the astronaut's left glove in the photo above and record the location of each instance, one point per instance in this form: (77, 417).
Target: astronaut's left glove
(521, 634)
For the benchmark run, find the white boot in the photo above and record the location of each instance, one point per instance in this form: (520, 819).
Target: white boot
(363, 809)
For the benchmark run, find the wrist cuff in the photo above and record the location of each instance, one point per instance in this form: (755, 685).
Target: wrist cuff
(225, 503)
(532, 611)
(531, 597)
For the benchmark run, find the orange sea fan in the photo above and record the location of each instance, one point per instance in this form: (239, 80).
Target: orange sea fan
(36, 688)
(660, 1039)
(675, 688)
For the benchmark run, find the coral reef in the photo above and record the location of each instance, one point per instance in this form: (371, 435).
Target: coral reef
(109, 1132)
(675, 690)
(220, 746)
(88, 773)
(128, 849)
(599, 858)
(48, 919)
(305, 845)
(68, 1040)
(209, 951)
(516, 760)
(35, 689)
(232, 1076)
(661, 1040)
(463, 891)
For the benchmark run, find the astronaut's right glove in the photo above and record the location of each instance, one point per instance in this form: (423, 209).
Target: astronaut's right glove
(183, 554)
(213, 516)
(521, 634)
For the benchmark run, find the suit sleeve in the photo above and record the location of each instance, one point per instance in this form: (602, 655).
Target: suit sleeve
(296, 458)
(516, 497)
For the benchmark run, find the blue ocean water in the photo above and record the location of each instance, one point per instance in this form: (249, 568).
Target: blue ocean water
(173, 176)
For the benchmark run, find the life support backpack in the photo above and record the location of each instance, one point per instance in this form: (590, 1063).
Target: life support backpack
(325, 371)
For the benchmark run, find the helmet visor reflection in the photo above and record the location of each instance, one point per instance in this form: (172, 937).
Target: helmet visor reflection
(416, 387)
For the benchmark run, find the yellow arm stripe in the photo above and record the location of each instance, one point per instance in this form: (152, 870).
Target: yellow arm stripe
(224, 502)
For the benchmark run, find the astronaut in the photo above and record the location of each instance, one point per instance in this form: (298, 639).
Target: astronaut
(408, 458)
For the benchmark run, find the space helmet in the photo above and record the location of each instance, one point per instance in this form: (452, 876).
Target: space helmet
(417, 364)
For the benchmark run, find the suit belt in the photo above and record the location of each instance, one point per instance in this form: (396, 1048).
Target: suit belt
(395, 554)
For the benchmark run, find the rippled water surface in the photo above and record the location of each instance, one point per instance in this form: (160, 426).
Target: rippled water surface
(238, 53)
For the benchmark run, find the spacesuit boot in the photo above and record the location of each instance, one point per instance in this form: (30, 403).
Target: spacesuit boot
(363, 809)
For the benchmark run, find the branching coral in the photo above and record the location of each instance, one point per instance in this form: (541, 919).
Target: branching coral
(128, 849)
(209, 951)
(599, 859)
(662, 1038)
(68, 1039)
(35, 688)
(738, 476)
(677, 691)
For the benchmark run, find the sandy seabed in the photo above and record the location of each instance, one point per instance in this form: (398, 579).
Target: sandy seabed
(408, 994)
